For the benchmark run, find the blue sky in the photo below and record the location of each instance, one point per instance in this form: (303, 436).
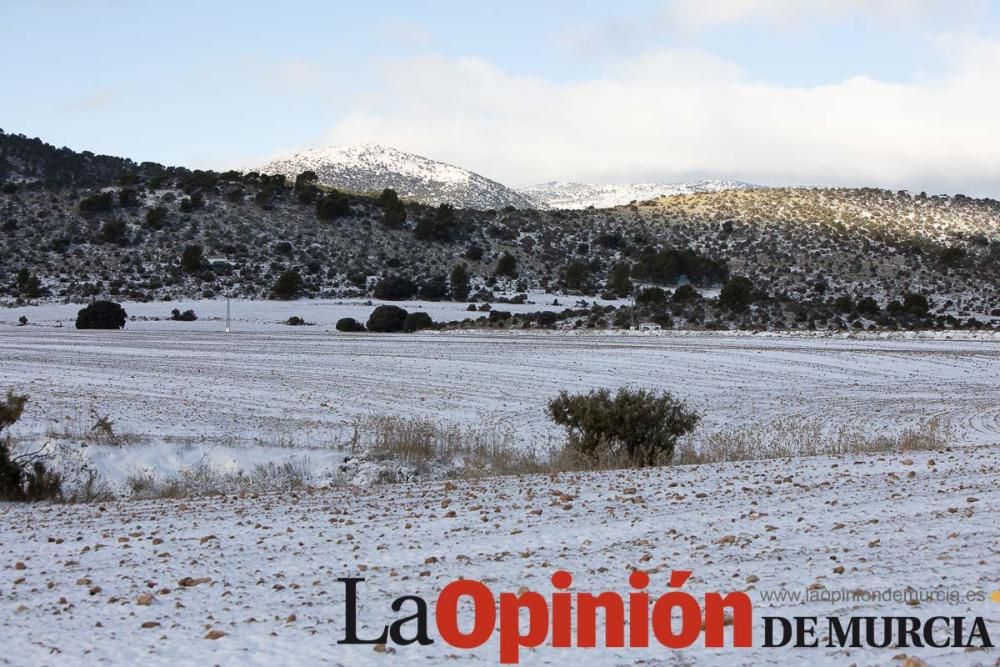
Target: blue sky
(763, 90)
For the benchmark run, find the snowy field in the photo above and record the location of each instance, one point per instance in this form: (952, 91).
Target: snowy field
(102, 585)
(182, 394)
(92, 584)
(248, 316)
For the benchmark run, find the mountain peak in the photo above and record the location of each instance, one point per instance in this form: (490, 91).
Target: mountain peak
(371, 167)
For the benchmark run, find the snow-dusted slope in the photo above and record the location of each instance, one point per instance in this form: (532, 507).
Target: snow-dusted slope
(147, 582)
(558, 194)
(371, 167)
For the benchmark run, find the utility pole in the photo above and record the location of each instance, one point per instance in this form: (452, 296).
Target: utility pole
(227, 314)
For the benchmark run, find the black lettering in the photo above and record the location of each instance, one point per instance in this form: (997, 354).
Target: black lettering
(929, 632)
(802, 631)
(786, 631)
(853, 632)
(908, 631)
(351, 615)
(979, 632)
(396, 629)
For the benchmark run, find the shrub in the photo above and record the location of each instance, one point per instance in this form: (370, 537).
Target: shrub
(31, 288)
(442, 227)
(156, 217)
(305, 187)
(101, 315)
(459, 282)
(333, 205)
(287, 285)
(736, 293)
(868, 306)
(295, 321)
(349, 324)
(395, 288)
(192, 259)
(434, 288)
(507, 266)
(576, 275)
(128, 197)
(915, 304)
(843, 304)
(387, 319)
(187, 316)
(114, 231)
(666, 266)
(685, 293)
(23, 477)
(653, 296)
(23, 320)
(619, 281)
(99, 202)
(192, 203)
(417, 321)
(639, 424)
(393, 211)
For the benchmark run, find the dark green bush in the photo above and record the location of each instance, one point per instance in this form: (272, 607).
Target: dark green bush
(393, 210)
(434, 288)
(507, 266)
(349, 324)
(915, 304)
(417, 321)
(114, 231)
(736, 293)
(576, 275)
(333, 205)
(101, 315)
(394, 288)
(156, 217)
(442, 227)
(619, 282)
(24, 477)
(187, 316)
(459, 282)
(192, 259)
(99, 202)
(685, 293)
(652, 296)
(639, 424)
(868, 306)
(387, 319)
(287, 286)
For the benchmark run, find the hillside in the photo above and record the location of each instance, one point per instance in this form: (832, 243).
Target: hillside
(557, 194)
(815, 258)
(371, 168)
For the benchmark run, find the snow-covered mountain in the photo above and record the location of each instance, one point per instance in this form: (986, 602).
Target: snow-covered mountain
(372, 167)
(558, 194)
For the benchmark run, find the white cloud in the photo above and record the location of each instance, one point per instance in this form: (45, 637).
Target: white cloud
(680, 114)
(700, 14)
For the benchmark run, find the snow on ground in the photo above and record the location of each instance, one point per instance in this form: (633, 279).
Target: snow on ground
(71, 576)
(256, 316)
(183, 394)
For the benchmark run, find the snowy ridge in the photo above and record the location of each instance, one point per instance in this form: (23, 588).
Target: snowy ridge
(564, 195)
(372, 167)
